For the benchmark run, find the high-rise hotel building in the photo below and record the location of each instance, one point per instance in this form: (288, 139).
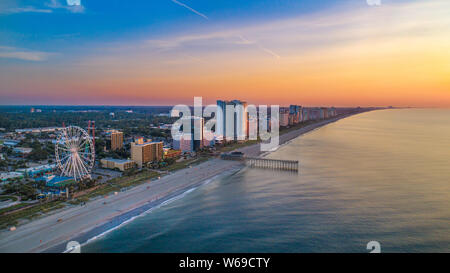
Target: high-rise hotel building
(116, 140)
(284, 117)
(232, 120)
(194, 140)
(144, 152)
(295, 114)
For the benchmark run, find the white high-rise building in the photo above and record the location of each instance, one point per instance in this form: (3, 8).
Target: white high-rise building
(232, 120)
(190, 140)
(284, 117)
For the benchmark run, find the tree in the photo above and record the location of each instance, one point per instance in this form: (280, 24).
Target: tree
(38, 154)
(170, 160)
(8, 151)
(3, 164)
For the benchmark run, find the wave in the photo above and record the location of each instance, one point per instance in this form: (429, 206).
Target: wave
(138, 216)
(164, 203)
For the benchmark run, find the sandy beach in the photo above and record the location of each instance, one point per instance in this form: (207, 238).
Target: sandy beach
(98, 216)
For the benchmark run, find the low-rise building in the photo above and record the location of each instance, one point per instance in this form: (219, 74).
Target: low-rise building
(55, 181)
(38, 130)
(10, 143)
(10, 175)
(38, 170)
(170, 153)
(23, 151)
(121, 164)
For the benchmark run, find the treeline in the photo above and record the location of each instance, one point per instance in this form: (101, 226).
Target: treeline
(131, 123)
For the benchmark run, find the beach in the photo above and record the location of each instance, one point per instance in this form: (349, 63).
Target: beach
(82, 223)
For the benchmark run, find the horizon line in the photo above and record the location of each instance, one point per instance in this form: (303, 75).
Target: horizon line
(285, 105)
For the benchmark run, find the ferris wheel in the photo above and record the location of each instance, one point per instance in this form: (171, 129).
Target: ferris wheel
(75, 153)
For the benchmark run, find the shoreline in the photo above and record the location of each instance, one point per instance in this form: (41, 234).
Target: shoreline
(85, 224)
(128, 217)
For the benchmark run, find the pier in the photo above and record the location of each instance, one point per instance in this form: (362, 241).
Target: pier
(262, 163)
(275, 164)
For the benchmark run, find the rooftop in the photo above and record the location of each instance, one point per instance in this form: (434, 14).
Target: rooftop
(7, 142)
(146, 143)
(57, 181)
(39, 168)
(5, 176)
(23, 150)
(120, 161)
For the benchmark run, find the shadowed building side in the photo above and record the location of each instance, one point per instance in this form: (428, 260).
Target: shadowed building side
(116, 140)
(144, 152)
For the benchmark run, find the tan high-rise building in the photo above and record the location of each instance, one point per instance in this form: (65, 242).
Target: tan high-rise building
(116, 140)
(144, 152)
(284, 117)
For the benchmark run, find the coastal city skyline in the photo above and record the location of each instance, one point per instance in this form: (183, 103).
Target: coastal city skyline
(333, 53)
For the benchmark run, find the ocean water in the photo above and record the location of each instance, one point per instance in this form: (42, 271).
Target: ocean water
(380, 176)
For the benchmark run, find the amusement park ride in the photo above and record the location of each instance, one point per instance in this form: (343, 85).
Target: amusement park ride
(75, 151)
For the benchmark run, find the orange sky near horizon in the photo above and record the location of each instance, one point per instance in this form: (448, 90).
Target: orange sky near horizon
(397, 55)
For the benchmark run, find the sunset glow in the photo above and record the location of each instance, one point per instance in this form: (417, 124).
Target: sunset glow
(341, 54)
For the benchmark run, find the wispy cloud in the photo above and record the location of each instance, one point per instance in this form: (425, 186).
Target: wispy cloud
(73, 6)
(191, 9)
(391, 54)
(22, 54)
(217, 39)
(25, 10)
(224, 39)
(69, 5)
(245, 41)
(192, 40)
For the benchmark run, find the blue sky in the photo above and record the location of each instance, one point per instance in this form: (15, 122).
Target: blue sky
(54, 26)
(308, 52)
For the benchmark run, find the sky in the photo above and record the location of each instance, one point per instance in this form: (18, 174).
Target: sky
(165, 52)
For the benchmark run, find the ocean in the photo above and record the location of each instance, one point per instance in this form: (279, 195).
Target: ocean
(379, 176)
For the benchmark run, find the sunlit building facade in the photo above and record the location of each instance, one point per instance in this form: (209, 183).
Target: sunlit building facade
(284, 117)
(232, 120)
(144, 152)
(116, 140)
(191, 141)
